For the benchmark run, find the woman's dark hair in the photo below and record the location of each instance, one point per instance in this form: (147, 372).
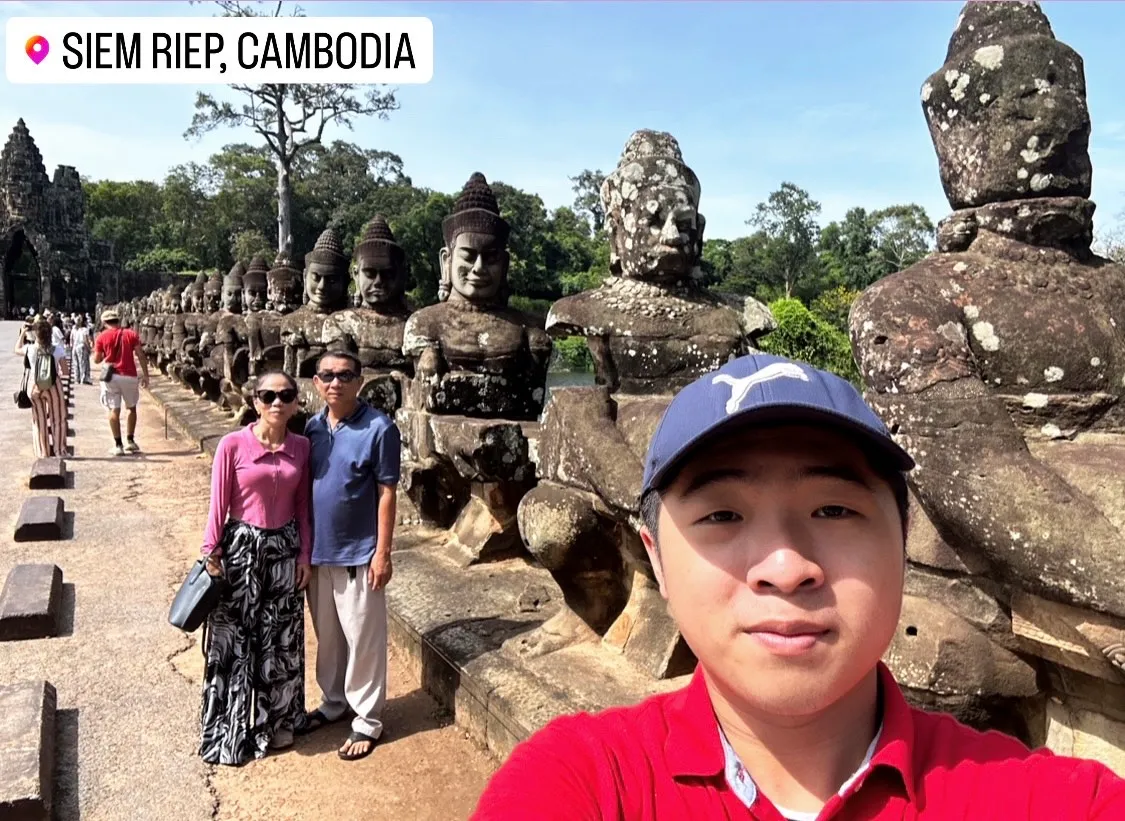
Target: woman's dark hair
(43, 334)
(292, 382)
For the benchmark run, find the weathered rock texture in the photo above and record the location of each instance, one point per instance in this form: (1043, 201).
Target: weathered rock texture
(999, 361)
(651, 330)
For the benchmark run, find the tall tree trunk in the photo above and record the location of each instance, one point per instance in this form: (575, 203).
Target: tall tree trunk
(284, 209)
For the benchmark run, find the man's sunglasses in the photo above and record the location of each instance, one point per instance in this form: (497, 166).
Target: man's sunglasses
(286, 395)
(344, 376)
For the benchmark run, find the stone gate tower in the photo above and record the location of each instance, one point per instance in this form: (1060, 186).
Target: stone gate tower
(47, 218)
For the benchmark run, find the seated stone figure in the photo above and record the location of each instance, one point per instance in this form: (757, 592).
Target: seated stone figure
(265, 351)
(231, 332)
(480, 370)
(1000, 359)
(651, 329)
(373, 331)
(472, 354)
(205, 370)
(187, 351)
(326, 291)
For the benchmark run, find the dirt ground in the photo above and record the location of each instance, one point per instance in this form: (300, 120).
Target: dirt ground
(128, 683)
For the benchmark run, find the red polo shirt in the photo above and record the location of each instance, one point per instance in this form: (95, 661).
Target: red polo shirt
(116, 345)
(663, 760)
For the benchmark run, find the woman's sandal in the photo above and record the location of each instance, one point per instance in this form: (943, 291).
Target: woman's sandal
(357, 738)
(316, 719)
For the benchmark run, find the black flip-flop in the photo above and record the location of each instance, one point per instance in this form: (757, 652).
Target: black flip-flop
(356, 738)
(315, 720)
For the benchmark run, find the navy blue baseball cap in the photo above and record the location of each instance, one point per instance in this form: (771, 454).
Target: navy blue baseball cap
(763, 389)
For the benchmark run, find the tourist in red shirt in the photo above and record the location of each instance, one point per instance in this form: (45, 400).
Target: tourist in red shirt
(120, 351)
(775, 511)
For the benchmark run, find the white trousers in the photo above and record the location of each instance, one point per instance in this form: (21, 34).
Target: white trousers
(350, 621)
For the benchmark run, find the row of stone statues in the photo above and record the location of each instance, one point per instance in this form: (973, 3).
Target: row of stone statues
(999, 361)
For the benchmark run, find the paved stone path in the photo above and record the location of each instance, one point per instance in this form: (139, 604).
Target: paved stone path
(128, 683)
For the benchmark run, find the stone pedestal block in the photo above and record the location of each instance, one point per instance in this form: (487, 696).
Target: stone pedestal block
(41, 520)
(48, 474)
(27, 750)
(29, 603)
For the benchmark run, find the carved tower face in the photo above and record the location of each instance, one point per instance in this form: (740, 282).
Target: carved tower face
(651, 203)
(1007, 112)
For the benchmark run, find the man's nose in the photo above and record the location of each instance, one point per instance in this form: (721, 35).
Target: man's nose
(785, 561)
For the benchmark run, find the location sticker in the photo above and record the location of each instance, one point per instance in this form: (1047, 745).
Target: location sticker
(37, 48)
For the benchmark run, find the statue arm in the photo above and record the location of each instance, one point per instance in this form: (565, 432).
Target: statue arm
(975, 475)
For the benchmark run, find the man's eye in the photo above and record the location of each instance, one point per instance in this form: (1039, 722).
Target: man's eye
(721, 517)
(834, 512)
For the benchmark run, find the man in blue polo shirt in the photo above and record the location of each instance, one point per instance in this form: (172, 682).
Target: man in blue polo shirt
(355, 459)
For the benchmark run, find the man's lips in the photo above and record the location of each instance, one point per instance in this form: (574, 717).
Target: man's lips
(788, 638)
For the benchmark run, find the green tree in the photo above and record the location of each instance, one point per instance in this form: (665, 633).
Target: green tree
(801, 334)
(834, 306)
(587, 187)
(124, 213)
(290, 119)
(161, 260)
(903, 235)
(245, 245)
(788, 220)
(418, 231)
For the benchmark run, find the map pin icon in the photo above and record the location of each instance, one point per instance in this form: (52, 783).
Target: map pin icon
(37, 48)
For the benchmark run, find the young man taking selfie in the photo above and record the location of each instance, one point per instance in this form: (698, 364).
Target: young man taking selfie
(775, 513)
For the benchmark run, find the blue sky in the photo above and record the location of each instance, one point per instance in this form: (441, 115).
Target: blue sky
(825, 95)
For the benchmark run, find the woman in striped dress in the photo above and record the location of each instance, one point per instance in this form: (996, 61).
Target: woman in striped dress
(258, 537)
(48, 407)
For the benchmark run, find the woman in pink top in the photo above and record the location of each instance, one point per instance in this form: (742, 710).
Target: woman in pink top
(258, 537)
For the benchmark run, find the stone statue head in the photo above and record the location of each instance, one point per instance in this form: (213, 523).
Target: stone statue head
(196, 289)
(254, 289)
(475, 259)
(380, 267)
(1007, 112)
(326, 274)
(232, 289)
(185, 298)
(212, 293)
(170, 300)
(283, 286)
(651, 203)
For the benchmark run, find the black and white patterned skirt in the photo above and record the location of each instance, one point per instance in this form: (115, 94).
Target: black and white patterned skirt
(254, 678)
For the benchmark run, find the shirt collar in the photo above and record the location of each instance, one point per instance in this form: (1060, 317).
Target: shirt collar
(694, 748)
(258, 451)
(360, 409)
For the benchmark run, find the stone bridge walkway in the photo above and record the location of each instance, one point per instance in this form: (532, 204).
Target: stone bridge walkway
(128, 683)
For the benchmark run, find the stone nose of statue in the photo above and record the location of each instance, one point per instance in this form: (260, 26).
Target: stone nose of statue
(671, 234)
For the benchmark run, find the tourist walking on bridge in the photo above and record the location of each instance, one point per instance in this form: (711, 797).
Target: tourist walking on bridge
(355, 464)
(120, 351)
(258, 537)
(80, 351)
(46, 365)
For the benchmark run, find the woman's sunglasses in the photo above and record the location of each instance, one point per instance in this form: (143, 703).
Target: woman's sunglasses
(344, 376)
(286, 395)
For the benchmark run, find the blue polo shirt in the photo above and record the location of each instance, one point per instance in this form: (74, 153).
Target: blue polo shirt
(348, 464)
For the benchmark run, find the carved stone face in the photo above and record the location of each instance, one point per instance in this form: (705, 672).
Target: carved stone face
(657, 235)
(477, 267)
(254, 297)
(284, 295)
(212, 299)
(326, 287)
(196, 300)
(185, 300)
(232, 298)
(379, 280)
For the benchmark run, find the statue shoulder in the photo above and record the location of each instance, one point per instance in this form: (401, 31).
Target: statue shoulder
(574, 315)
(423, 328)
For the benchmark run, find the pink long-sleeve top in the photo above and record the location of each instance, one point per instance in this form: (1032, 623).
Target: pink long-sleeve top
(251, 484)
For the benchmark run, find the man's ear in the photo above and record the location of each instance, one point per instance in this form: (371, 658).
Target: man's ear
(653, 551)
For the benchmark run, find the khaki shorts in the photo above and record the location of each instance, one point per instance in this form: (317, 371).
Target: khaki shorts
(121, 389)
